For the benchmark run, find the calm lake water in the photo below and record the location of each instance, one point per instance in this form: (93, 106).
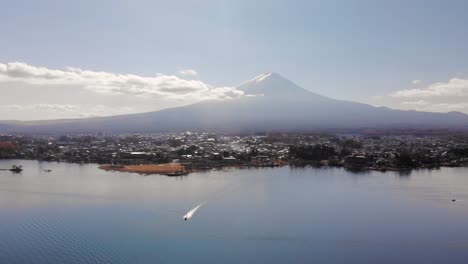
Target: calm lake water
(80, 214)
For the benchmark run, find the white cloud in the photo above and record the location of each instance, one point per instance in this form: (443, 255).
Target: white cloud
(68, 110)
(453, 88)
(416, 81)
(437, 97)
(189, 73)
(158, 86)
(436, 107)
(415, 103)
(40, 107)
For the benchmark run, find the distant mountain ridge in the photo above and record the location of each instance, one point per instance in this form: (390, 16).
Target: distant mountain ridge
(272, 103)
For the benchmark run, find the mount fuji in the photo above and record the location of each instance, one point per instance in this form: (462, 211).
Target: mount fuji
(271, 103)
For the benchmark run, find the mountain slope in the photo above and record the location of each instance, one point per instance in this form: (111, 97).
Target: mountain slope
(273, 103)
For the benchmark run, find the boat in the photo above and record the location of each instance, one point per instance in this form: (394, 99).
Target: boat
(16, 169)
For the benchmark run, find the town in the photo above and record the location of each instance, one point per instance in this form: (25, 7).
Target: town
(203, 151)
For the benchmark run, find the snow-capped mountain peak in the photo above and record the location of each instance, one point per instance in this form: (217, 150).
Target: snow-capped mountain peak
(271, 84)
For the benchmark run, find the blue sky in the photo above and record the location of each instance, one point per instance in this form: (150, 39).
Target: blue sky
(354, 50)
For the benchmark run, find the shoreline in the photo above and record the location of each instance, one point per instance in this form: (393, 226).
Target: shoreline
(181, 169)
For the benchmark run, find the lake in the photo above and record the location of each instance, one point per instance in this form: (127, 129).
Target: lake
(80, 214)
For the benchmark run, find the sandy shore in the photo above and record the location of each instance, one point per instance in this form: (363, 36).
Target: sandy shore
(165, 168)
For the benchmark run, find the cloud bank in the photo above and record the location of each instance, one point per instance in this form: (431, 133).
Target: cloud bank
(160, 86)
(437, 97)
(30, 92)
(453, 88)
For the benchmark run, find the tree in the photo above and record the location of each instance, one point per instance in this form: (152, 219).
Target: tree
(315, 153)
(404, 159)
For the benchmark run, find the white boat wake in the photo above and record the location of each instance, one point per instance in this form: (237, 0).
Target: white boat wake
(190, 213)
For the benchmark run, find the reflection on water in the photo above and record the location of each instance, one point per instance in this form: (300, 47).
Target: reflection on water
(80, 214)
